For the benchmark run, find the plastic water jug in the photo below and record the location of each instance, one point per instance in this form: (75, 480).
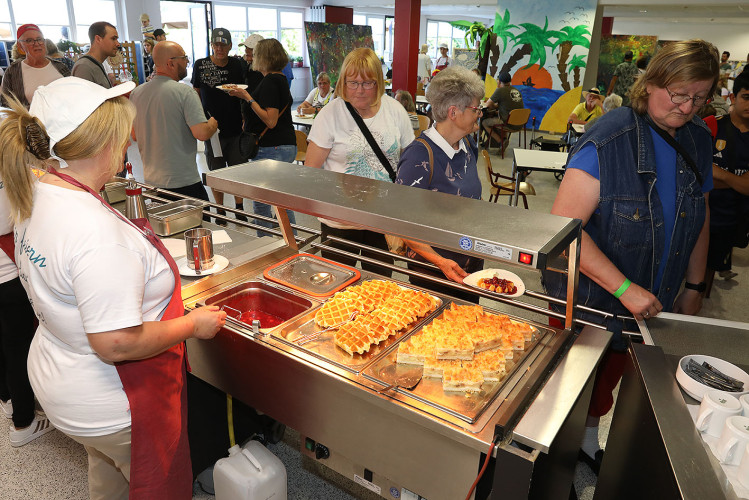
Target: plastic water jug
(250, 473)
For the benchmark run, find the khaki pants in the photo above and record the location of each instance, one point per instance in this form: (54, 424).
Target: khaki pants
(108, 465)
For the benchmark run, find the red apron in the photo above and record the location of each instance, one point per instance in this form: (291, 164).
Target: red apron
(8, 245)
(156, 389)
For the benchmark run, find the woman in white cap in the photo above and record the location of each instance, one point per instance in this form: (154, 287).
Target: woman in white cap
(252, 77)
(443, 61)
(107, 362)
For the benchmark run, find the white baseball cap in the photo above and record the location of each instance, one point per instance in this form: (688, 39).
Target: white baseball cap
(251, 41)
(66, 103)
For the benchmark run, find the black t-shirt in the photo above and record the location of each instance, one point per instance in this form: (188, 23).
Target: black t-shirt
(217, 103)
(272, 92)
(731, 153)
(252, 79)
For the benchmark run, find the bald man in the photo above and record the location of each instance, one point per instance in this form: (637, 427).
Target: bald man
(169, 122)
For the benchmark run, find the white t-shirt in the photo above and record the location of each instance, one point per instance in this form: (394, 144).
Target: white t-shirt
(86, 272)
(34, 78)
(8, 270)
(425, 66)
(316, 99)
(350, 153)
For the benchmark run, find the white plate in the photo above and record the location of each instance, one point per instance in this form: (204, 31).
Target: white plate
(473, 280)
(237, 85)
(697, 389)
(219, 264)
(305, 116)
(175, 247)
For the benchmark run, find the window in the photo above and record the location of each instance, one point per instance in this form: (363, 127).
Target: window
(87, 12)
(50, 15)
(441, 32)
(379, 31)
(286, 26)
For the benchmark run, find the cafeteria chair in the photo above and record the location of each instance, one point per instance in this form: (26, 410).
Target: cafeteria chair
(505, 188)
(424, 123)
(301, 147)
(515, 123)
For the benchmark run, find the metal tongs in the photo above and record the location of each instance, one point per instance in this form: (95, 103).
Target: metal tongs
(312, 336)
(255, 323)
(712, 377)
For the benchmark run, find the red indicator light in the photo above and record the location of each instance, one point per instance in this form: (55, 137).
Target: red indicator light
(525, 258)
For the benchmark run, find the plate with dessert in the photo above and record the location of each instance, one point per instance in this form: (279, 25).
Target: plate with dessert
(231, 86)
(498, 281)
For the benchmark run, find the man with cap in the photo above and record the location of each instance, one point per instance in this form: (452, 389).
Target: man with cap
(624, 77)
(589, 109)
(504, 99)
(159, 35)
(209, 73)
(252, 77)
(104, 44)
(169, 118)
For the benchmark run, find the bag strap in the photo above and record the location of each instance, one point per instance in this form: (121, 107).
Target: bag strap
(266, 128)
(371, 141)
(678, 147)
(101, 67)
(431, 158)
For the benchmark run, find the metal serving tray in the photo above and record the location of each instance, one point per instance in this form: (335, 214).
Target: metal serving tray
(176, 216)
(324, 347)
(257, 299)
(114, 192)
(467, 407)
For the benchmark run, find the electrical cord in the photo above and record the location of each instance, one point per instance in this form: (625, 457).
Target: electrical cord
(483, 467)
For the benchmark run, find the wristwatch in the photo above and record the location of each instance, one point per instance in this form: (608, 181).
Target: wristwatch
(700, 287)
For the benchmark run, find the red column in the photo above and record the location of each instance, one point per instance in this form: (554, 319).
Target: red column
(342, 15)
(406, 44)
(607, 26)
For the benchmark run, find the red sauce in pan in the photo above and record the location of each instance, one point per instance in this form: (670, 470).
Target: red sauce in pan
(266, 320)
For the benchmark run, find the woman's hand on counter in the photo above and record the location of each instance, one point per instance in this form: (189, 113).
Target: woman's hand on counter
(640, 302)
(207, 321)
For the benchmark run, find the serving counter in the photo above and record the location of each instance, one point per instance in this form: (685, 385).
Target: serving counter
(393, 440)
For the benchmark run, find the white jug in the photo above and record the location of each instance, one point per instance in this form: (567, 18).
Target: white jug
(250, 473)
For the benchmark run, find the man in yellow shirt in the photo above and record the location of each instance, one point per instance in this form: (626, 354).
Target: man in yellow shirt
(589, 109)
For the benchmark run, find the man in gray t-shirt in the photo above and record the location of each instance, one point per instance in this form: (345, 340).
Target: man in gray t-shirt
(168, 123)
(104, 43)
(504, 99)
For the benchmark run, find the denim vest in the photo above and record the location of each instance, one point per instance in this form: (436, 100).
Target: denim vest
(628, 225)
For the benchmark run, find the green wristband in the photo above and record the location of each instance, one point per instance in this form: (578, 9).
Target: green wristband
(619, 291)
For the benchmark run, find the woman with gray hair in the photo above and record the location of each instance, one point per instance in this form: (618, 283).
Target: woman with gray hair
(443, 159)
(612, 101)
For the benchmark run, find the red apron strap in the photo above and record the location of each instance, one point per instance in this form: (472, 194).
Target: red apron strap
(160, 467)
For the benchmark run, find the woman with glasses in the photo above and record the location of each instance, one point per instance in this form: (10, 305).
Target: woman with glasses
(443, 159)
(337, 143)
(24, 76)
(639, 181)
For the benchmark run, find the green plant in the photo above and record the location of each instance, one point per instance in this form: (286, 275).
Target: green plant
(68, 46)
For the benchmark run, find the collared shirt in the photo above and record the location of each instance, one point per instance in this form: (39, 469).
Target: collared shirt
(440, 141)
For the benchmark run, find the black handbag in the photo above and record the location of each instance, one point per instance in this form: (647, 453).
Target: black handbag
(249, 142)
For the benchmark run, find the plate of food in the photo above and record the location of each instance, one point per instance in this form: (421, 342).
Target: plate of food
(498, 281)
(231, 86)
(299, 115)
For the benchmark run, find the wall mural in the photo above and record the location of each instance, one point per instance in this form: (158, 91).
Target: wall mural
(468, 58)
(613, 48)
(544, 46)
(329, 43)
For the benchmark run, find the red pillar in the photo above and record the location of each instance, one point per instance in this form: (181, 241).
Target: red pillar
(342, 15)
(406, 44)
(607, 26)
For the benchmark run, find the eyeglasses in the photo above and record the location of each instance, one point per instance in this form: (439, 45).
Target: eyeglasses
(697, 102)
(477, 109)
(34, 41)
(186, 58)
(368, 85)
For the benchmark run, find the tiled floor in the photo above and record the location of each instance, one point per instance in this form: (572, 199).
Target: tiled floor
(54, 467)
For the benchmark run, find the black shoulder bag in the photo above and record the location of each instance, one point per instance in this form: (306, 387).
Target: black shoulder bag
(678, 147)
(249, 142)
(372, 143)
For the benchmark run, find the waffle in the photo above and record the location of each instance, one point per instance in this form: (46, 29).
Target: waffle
(338, 309)
(354, 338)
(462, 379)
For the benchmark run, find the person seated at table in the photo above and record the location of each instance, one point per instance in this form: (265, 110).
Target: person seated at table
(589, 109)
(404, 97)
(504, 99)
(318, 97)
(612, 101)
(455, 94)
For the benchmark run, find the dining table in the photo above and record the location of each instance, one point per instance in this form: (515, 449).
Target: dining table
(530, 160)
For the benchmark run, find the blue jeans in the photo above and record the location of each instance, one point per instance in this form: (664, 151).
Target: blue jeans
(285, 153)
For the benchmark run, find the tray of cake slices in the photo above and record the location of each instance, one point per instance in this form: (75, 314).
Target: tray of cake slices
(467, 353)
(360, 323)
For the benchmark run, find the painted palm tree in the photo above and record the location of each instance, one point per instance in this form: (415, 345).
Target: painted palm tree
(502, 32)
(569, 38)
(486, 38)
(533, 42)
(575, 64)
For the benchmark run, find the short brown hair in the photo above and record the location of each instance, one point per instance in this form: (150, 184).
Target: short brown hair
(362, 61)
(685, 61)
(269, 55)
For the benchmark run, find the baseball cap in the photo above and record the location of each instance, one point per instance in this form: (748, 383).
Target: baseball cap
(65, 103)
(505, 77)
(443, 45)
(251, 41)
(221, 35)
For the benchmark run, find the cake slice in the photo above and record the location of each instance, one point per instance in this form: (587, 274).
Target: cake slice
(462, 379)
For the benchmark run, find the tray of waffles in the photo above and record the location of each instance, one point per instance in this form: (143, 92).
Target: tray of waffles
(361, 322)
(468, 352)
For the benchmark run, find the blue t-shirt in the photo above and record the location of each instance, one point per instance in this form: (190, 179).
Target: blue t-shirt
(665, 162)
